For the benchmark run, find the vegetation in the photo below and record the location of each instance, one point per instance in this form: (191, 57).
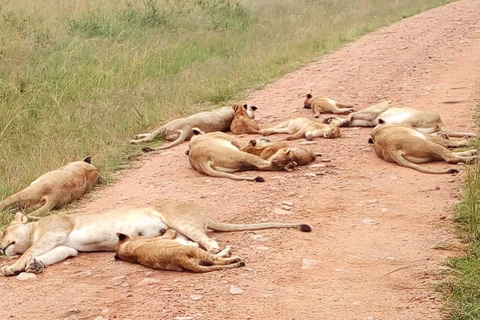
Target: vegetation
(463, 291)
(81, 77)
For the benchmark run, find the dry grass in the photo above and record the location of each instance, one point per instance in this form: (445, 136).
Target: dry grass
(81, 77)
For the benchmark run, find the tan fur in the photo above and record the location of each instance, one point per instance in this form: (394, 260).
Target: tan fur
(265, 149)
(180, 130)
(242, 123)
(166, 253)
(303, 127)
(54, 189)
(407, 146)
(386, 113)
(325, 105)
(218, 155)
(297, 156)
(57, 237)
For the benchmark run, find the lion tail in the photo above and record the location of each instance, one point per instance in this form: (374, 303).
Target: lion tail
(220, 226)
(15, 199)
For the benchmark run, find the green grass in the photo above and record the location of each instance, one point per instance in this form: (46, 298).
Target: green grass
(82, 77)
(463, 290)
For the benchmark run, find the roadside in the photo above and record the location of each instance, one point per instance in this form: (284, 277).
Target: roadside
(375, 225)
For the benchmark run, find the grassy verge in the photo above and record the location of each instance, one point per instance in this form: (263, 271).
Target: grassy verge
(81, 77)
(463, 291)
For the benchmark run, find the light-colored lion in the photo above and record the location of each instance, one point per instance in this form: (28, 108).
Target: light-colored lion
(166, 253)
(385, 113)
(242, 123)
(57, 237)
(304, 127)
(54, 189)
(180, 130)
(326, 105)
(407, 146)
(217, 154)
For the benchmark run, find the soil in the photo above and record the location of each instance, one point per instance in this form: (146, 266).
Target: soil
(377, 249)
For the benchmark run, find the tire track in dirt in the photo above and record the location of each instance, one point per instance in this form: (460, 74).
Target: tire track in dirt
(386, 270)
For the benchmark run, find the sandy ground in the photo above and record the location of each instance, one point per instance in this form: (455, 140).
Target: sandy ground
(376, 226)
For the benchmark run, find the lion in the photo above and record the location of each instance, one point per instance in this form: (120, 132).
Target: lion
(54, 189)
(180, 130)
(218, 154)
(304, 127)
(242, 123)
(326, 105)
(407, 147)
(385, 113)
(265, 149)
(166, 253)
(56, 237)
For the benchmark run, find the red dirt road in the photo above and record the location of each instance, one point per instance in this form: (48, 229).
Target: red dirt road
(386, 270)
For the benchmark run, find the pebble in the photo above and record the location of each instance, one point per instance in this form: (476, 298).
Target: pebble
(307, 142)
(147, 281)
(287, 208)
(99, 318)
(196, 297)
(319, 165)
(310, 175)
(287, 203)
(369, 221)
(384, 210)
(235, 290)
(83, 273)
(309, 263)
(281, 211)
(119, 278)
(183, 318)
(26, 276)
(262, 248)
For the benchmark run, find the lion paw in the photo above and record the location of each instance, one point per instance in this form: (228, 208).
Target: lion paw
(7, 271)
(35, 266)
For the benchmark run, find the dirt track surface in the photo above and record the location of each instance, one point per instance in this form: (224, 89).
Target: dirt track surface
(385, 270)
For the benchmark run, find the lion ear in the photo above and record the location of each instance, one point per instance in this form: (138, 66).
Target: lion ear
(370, 140)
(19, 217)
(197, 131)
(122, 237)
(88, 159)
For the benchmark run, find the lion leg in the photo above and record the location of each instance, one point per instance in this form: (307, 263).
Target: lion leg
(198, 235)
(316, 112)
(441, 153)
(467, 153)
(183, 134)
(342, 110)
(55, 255)
(214, 259)
(148, 137)
(297, 135)
(50, 204)
(184, 240)
(280, 128)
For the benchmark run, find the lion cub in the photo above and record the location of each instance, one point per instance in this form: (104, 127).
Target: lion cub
(166, 253)
(54, 189)
(242, 123)
(304, 127)
(326, 105)
(264, 148)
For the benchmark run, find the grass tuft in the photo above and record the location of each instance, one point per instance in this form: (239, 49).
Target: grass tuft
(463, 289)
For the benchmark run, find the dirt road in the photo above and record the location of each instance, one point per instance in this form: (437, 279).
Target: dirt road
(375, 225)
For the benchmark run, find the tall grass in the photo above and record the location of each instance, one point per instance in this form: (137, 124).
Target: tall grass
(81, 77)
(463, 291)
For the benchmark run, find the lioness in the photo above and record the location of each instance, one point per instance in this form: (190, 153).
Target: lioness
(326, 105)
(385, 113)
(54, 189)
(218, 154)
(407, 146)
(179, 130)
(166, 253)
(242, 123)
(57, 237)
(303, 127)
